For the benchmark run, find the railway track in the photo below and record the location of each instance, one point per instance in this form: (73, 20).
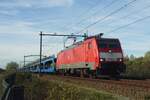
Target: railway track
(124, 82)
(134, 89)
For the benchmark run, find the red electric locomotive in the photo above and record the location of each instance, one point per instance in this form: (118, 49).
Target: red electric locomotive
(93, 57)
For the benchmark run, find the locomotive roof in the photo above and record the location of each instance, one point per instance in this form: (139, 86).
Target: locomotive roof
(108, 39)
(97, 38)
(74, 45)
(100, 38)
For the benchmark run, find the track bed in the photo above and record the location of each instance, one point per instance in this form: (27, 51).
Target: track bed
(134, 89)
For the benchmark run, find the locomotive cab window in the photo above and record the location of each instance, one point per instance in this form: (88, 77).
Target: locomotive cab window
(113, 45)
(102, 45)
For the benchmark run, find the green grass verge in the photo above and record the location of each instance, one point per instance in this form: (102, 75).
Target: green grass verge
(36, 89)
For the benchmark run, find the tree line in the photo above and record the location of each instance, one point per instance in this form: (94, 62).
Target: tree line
(138, 67)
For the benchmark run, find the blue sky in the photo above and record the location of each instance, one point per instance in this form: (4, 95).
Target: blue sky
(22, 20)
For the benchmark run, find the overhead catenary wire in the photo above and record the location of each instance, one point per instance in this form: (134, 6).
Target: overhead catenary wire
(90, 8)
(124, 26)
(131, 13)
(112, 13)
(85, 12)
(110, 4)
(82, 20)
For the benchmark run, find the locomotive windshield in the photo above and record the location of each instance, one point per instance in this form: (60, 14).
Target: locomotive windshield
(111, 46)
(108, 43)
(102, 45)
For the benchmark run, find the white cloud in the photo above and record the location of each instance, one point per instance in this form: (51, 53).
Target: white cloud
(17, 27)
(11, 8)
(9, 12)
(36, 3)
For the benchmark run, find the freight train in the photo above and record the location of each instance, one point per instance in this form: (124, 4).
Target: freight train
(93, 57)
(47, 66)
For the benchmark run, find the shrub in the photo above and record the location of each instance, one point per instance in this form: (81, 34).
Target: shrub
(138, 68)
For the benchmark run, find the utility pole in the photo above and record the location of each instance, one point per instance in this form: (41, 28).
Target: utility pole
(40, 51)
(24, 62)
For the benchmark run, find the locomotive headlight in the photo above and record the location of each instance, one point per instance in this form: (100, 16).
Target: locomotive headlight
(120, 59)
(102, 59)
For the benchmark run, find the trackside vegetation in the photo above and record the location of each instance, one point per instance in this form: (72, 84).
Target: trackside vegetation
(138, 67)
(1, 88)
(37, 89)
(2, 76)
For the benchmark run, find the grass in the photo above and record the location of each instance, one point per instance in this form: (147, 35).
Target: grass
(64, 91)
(37, 89)
(147, 97)
(55, 89)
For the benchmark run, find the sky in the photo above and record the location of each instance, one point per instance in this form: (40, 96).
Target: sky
(22, 20)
